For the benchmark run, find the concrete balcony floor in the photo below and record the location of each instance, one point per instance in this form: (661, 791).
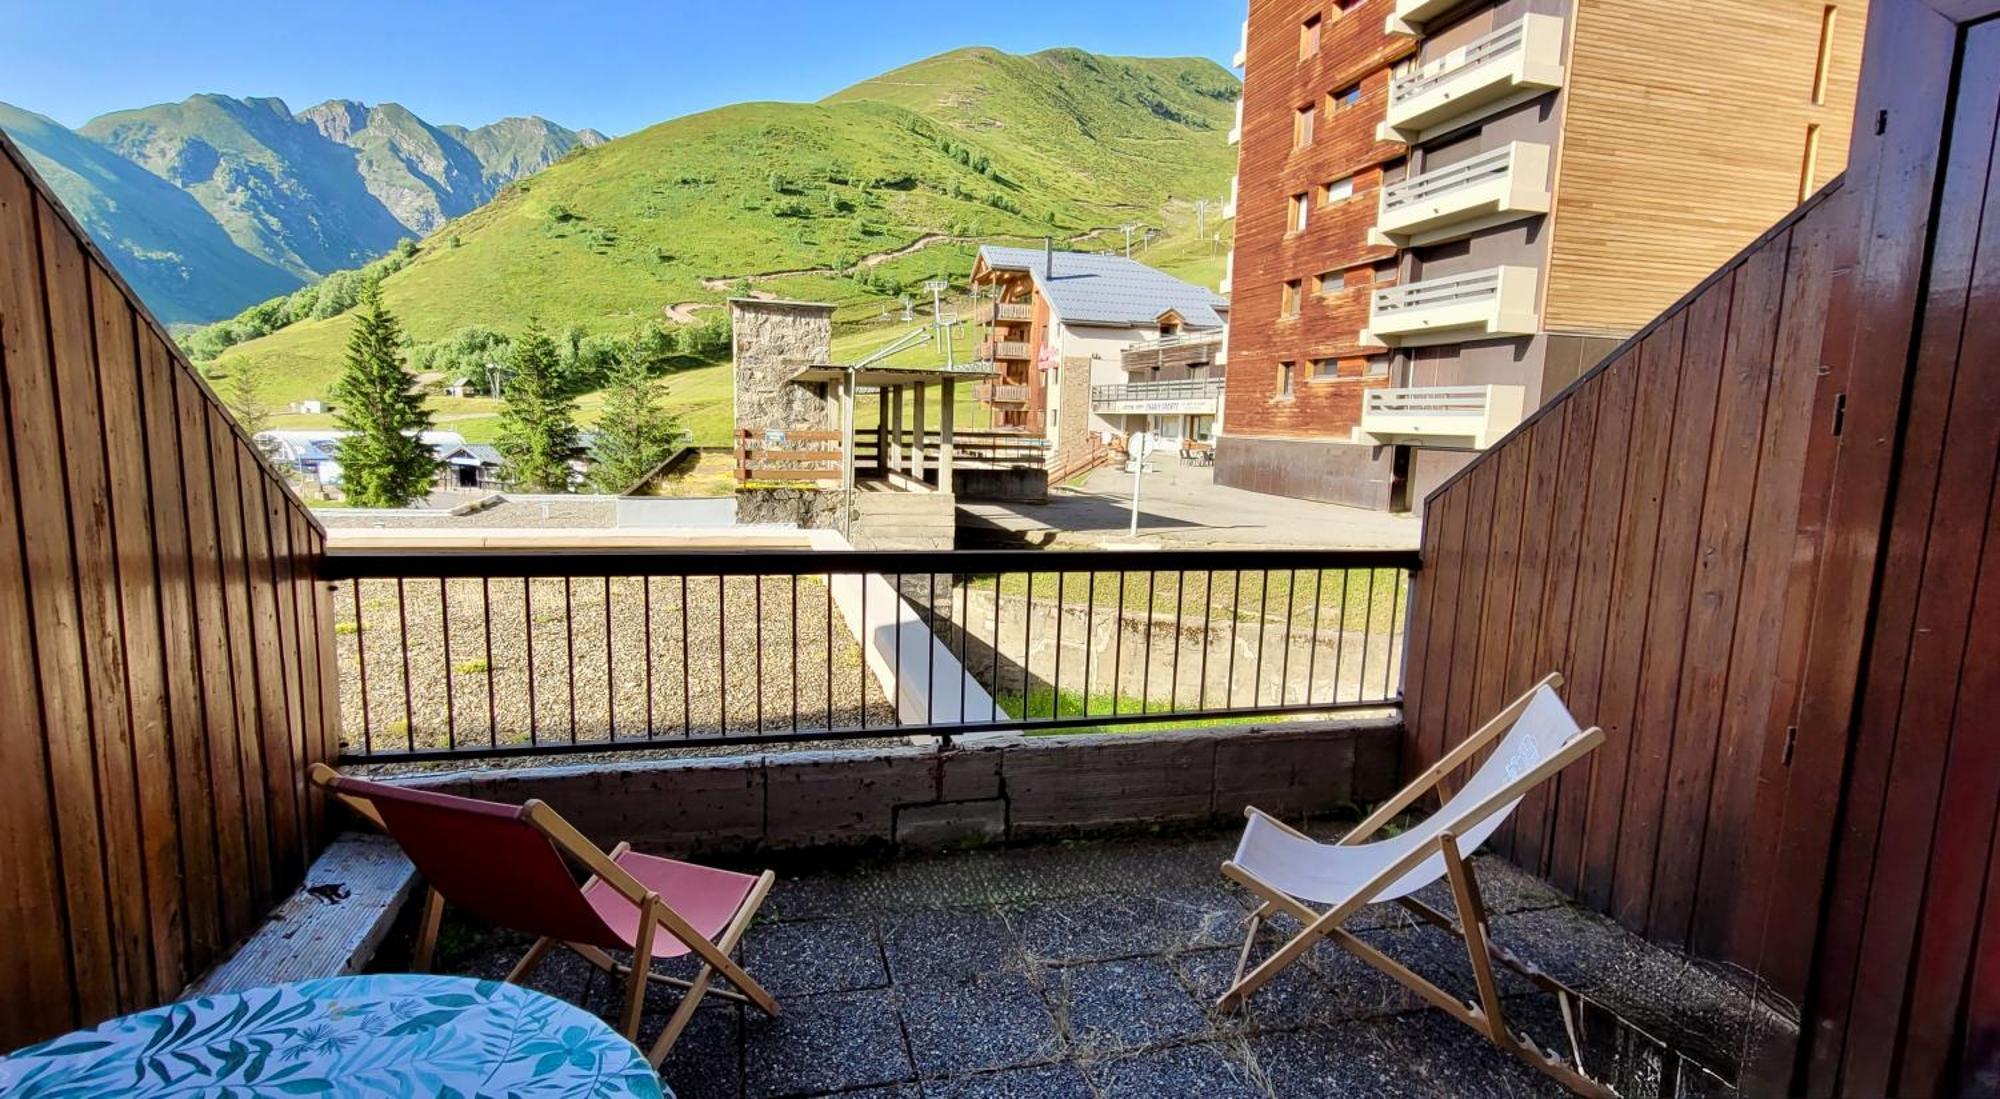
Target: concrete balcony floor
(1089, 969)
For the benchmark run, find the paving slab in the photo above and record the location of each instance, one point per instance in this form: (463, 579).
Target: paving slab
(809, 957)
(1124, 1005)
(994, 1021)
(1211, 1070)
(824, 1044)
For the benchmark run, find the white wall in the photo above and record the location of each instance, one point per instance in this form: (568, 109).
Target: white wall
(1104, 346)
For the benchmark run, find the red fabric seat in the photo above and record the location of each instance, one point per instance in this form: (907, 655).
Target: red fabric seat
(705, 897)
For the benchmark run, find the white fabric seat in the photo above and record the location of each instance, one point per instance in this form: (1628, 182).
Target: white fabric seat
(1329, 873)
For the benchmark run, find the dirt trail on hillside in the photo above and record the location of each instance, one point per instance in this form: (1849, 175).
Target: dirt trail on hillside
(724, 283)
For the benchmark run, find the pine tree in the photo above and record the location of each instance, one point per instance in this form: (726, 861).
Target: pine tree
(243, 392)
(633, 435)
(384, 462)
(537, 420)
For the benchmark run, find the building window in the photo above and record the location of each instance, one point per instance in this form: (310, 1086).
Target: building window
(1285, 372)
(1295, 220)
(1344, 98)
(1289, 305)
(1309, 38)
(1825, 66)
(1337, 190)
(1327, 282)
(1809, 169)
(1302, 127)
(1378, 366)
(1326, 368)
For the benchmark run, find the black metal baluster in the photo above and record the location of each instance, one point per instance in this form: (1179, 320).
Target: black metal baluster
(1312, 643)
(486, 624)
(862, 633)
(1395, 620)
(1146, 653)
(1263, 627)
(1207, 640)
(1062, 597)
(1089, 635)
(828, 623)
(569, 651)
(361, 658)
(1174, 682)
(409, 707)
(1285, 657)
(722, 654)
(1235, 623)
(794, 633)
(646, 608)
(528, 631)
(757, 638)
(1340, 635)
(610, 671)
(1118, 646)
(450, 712)
(687, 679)
(1367, 628)
(994, 698)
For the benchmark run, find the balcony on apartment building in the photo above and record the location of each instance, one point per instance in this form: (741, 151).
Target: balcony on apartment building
(1492, 188)
(1188, 396)
(998, 393)
(1004, 351)
(1410, 16)
(1005, 312)
(1499, 301)
(1236, 131)
(1467, 417)
(1511, 65)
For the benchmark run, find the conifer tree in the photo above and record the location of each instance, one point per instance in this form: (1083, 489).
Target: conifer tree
(384, 462)
(538, 418)
(633, 436)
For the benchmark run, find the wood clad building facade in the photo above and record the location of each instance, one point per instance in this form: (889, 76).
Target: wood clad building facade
(166, 667)
(1470, 208)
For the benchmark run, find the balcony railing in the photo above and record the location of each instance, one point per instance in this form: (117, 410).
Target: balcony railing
(1005, 312)
(1004, 351)
(1489, 189)
(1511, 65)
(1499, 301)
(480, 653)
(1190, 396)
(1001, 394)
(1469, 417)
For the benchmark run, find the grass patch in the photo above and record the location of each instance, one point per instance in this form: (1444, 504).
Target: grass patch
(1046, 702)
(1352, 599)
(471, 667)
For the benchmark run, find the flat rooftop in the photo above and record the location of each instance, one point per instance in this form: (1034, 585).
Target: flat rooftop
(1090, 969)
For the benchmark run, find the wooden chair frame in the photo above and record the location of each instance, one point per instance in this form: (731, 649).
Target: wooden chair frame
(1485, 1017)
(655, 914)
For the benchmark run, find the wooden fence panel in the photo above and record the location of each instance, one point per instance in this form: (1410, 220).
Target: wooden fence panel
(136, 601)
(1639, 491)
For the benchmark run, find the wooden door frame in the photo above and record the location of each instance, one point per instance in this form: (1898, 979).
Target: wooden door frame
(1909, 71)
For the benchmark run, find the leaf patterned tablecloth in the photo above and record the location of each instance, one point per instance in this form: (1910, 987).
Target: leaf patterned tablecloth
(383, 1034)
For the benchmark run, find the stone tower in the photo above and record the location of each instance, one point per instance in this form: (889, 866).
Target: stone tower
(772, 341)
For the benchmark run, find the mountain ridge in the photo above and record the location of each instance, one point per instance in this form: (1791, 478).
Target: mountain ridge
(299, 194)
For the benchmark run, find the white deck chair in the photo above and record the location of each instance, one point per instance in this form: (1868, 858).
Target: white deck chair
(1290, 871)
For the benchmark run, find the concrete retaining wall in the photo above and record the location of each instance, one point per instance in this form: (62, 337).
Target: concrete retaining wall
(1019, 788)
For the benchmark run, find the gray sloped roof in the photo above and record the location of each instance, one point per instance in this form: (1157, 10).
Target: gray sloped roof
(1093, 288)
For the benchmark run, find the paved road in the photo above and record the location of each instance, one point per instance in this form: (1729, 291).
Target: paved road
(1183, 506)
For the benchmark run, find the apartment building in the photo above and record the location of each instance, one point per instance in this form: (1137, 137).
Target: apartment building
(1447, 209)
(1057, 327)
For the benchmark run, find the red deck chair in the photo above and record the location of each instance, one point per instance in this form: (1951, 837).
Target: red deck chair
(505, 864)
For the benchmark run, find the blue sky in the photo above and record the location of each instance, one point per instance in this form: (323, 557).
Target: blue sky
(616, 66)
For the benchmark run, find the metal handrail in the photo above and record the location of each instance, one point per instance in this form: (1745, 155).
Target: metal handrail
(1467, 173)
(1439, 400)
(1158, 391)
(1440, 291)
(479, 653)
(1474, 54)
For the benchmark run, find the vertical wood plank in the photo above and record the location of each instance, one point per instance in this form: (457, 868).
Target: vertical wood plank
(1591, 605)
(1544, 444)
(1460, 719)
(1729, 909)
(1723, 541)
(1450, 510)
(218, 679)
(1666, 624)
(239, 636)
(187, 725)
(54, 627)
(33, 925)
(274, 735)
(1630, 598)
(136, 596)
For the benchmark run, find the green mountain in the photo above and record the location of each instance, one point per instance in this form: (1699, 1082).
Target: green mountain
(856, 199)
(171, 249)
(328, 188)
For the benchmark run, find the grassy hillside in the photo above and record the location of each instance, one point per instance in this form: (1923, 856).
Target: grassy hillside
(854, 200)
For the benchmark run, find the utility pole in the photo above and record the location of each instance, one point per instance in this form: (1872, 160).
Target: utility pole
(937, 287)
(1128, 227)
(1201, 217)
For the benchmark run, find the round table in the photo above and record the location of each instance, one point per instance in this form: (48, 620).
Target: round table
(382, 1034)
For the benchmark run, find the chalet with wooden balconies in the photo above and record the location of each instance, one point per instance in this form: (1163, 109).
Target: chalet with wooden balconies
(1063, 331)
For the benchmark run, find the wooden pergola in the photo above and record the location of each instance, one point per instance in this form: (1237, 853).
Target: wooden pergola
(899, 424)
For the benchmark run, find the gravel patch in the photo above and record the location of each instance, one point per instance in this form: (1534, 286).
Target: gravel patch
(554, 660)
